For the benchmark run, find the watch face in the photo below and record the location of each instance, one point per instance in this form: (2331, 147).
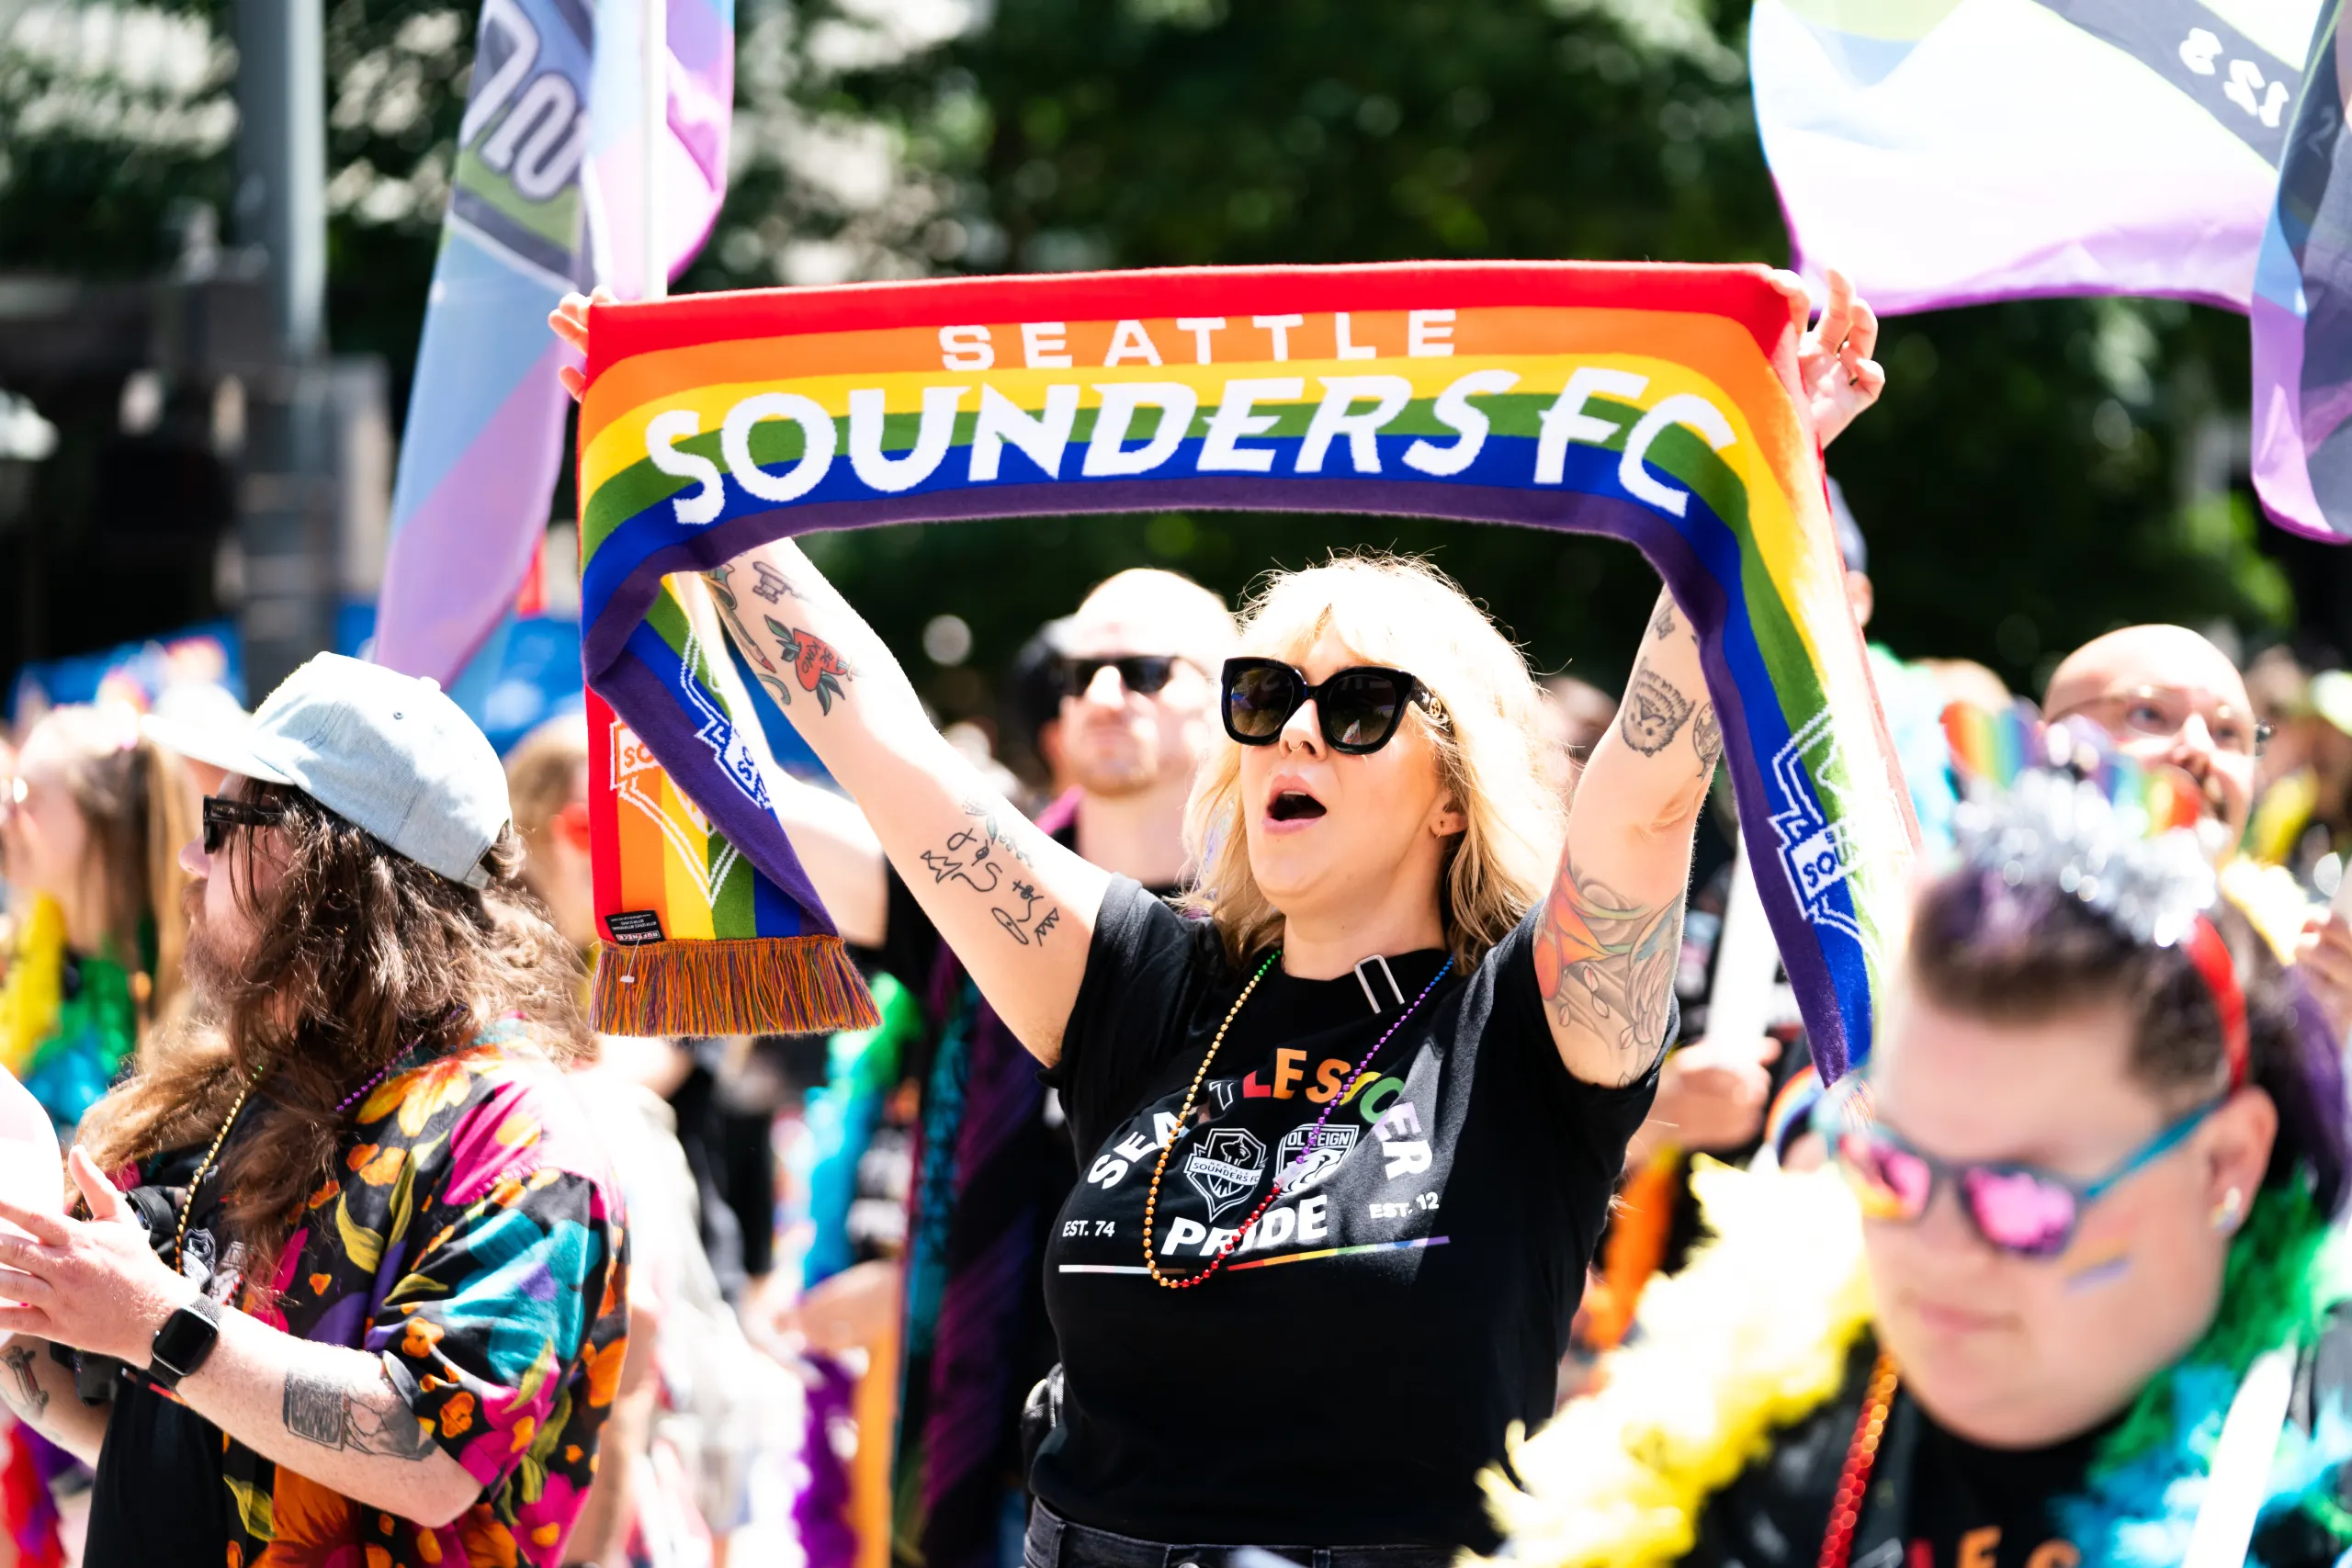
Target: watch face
(185, 1340)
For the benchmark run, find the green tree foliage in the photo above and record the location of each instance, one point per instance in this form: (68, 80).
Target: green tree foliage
(115, 130)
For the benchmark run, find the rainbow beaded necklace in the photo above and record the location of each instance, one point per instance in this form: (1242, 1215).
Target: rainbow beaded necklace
(1151, 1199)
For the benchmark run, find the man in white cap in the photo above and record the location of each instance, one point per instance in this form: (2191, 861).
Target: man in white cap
(351, 1280)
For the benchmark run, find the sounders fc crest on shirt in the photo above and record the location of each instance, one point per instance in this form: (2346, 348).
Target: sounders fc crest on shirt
(1224, 1167)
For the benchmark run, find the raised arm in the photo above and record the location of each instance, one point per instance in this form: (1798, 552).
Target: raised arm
(1611, 928)
(1016, 907)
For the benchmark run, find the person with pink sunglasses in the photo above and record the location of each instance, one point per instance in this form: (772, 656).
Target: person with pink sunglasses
(2075, 1292)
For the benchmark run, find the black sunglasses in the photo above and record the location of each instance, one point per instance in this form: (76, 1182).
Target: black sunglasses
(221, 814)
(1359, 708)
(1145, 674)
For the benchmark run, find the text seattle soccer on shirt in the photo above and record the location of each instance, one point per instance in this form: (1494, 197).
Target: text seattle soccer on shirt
(1218, 1172)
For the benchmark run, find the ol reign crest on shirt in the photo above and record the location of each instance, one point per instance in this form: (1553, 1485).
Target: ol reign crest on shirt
(1367, 1179)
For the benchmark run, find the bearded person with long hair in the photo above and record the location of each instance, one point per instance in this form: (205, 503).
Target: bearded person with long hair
(345, 1278)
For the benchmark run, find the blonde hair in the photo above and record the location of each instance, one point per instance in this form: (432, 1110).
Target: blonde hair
(139, 806)
(540, 772)
(1489, 741)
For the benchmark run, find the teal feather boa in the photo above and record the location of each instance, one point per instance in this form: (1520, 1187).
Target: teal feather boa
(2286, 1272)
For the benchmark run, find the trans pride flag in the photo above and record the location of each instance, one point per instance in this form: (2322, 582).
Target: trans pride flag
(546, 198)
(1656, 404)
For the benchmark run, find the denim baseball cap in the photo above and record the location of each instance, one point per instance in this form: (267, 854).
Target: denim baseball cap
(388, 752)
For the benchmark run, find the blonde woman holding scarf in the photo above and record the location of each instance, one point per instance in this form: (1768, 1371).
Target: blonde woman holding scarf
(1402, 1052)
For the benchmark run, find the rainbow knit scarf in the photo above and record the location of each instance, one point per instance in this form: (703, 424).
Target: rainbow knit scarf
(1656, 404)
(1754, 1335)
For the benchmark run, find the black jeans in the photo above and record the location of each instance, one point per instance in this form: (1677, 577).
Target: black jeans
(1054, 1542)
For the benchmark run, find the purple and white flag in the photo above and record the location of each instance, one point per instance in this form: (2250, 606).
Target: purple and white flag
(1950, 151)
(2303, 312)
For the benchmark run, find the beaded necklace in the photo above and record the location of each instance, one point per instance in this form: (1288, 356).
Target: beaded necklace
(1151, 1199)
(236, 1107)
(188, 1204)
(1861, 1458)
(352, 1098)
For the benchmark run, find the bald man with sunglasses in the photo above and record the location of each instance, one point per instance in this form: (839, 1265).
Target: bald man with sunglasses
(2168, 696)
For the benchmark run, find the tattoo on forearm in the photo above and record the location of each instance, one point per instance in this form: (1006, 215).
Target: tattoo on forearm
(978, 856)
(728, 610)
(770, 584)
(1024, 927)
(323, 1411)
(819, 668)
(1655, 712)
(1707, 737)
(1605, 966)
(1662, 624)
(23, 1389)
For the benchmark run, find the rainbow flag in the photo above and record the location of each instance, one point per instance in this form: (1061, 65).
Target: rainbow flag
(1652, 403)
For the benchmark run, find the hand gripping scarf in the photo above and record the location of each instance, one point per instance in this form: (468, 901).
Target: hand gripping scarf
(1655, 404)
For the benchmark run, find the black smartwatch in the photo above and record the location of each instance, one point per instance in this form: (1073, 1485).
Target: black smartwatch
(185, 1340)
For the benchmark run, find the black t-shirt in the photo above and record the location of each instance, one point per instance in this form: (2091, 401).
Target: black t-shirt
(1371, 1340)
(158, 1500)
(1938, 1500)
(1990, 1507)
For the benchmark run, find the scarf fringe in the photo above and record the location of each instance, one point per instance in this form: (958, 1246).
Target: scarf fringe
(801, 985)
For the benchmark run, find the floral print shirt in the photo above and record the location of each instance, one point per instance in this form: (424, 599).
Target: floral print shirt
(473, 1240)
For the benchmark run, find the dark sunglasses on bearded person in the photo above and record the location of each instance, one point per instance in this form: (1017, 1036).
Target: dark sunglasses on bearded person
(2074, 1291)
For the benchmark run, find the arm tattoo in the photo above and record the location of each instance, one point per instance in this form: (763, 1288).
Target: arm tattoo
(28, 1396)
(762, 665)
(1022, 927)
(1707, 736)
(1655, 712)
(1662, 624)
(322, 1411)
(819, 668)
(977, 856)
(769, 583)
(1606, 966)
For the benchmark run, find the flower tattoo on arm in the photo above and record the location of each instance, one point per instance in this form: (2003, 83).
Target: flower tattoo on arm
(1707, 739)
(820, 669)
(1605, 968)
